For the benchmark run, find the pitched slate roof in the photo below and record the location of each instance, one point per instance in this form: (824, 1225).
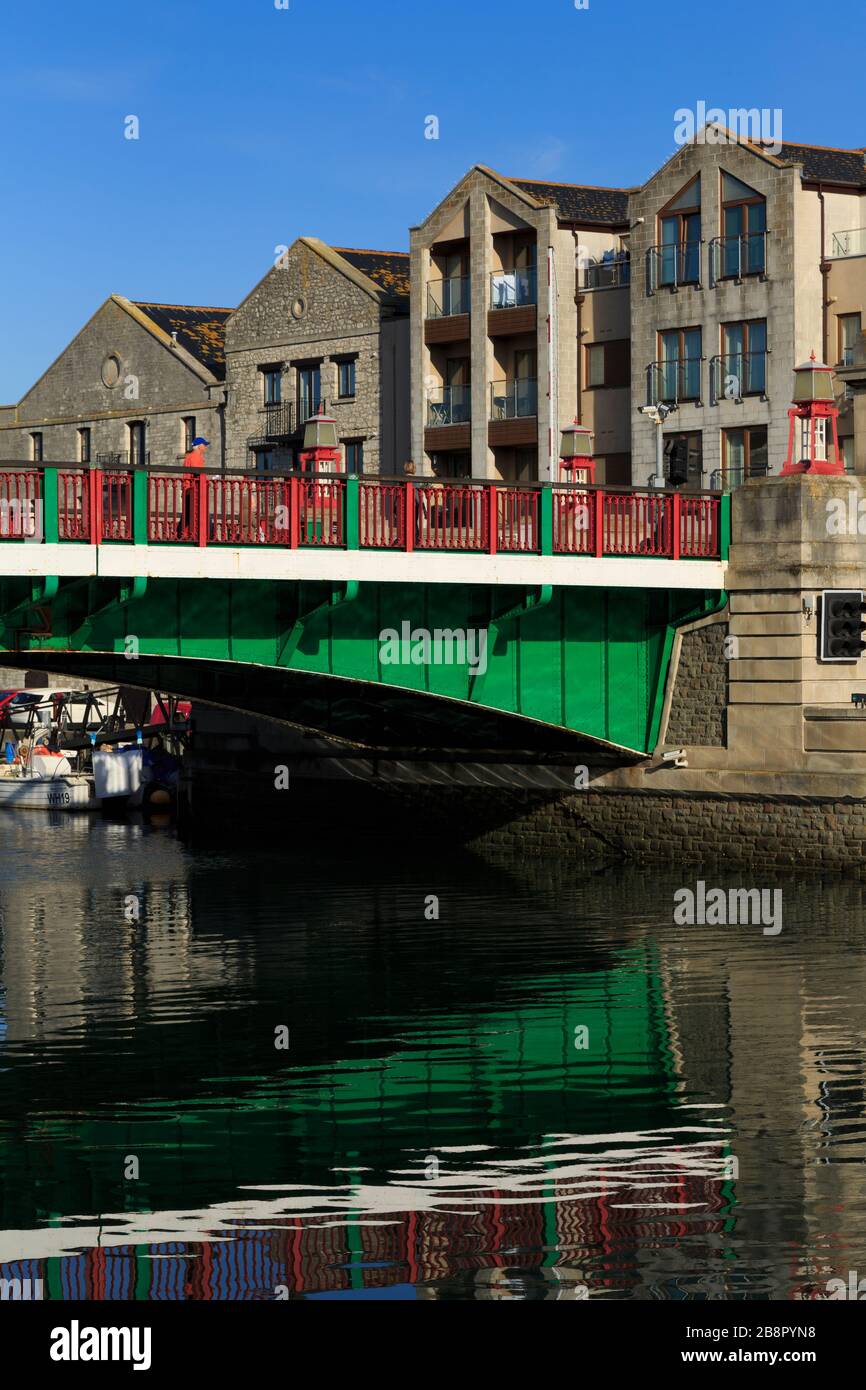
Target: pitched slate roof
(579, 202)
(820, 162)
(200, 330)
(388, 269)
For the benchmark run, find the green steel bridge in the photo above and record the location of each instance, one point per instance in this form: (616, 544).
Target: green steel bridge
(471, 614)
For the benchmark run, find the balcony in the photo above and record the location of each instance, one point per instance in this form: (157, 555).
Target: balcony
(735, 375)
(121, 459)
(513, 412)
(674, 382)
(611, 274)
(445, 298)
(735, 257)
(277, 422)
(513, 289)
(673, 264)
(851, 243)
(513, 400)
(449, 405)
(732, 477)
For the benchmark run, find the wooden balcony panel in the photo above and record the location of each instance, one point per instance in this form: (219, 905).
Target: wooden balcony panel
(453, 328)
(520, 431)
(444, 438)
(505, 321)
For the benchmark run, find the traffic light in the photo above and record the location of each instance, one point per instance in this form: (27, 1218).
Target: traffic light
(842, 624)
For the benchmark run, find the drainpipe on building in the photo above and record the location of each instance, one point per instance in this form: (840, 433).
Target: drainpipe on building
(578, 300)
(824, 267)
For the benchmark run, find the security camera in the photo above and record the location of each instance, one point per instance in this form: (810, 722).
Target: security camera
(675, 757)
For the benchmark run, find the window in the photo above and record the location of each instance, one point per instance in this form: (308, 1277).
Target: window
(846, 448)
(137, 452)
(744, 227)
(346, 379)
(189, 432)
(744, 454)
(272, 385)
(608, 364)
(354, 455)
(309, 392)
(743, 366)
(36, 447)
(84, 446)
(849, 332)
(678, 372)
(679, 250)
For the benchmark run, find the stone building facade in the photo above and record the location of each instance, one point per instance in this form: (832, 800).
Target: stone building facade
(324, 329)
(136, 384)
(498, 345)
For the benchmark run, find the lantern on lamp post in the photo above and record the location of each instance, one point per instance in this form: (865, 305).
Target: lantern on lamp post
(321, 452)
(575, 454)
(814, 407)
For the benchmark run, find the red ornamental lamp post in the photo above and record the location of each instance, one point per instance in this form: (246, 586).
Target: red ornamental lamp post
(809, 449)
(575, 454)
(321, 452)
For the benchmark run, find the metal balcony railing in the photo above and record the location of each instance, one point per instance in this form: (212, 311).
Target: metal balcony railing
(671, 382)
(511, 289)
(734, 375)
(121, 459)
(276, 421)
(735, 257)
(448, 297)
(727, 479)
(850, 243)
(672, 264)
(512, 400)
(606, 275)
(449, 405)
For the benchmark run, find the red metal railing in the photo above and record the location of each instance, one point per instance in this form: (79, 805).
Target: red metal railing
(302, 510)
(249, 511)
(73, 505)
(172, 507)
(320, 511)
(451, 516)
(382, 517)
(115, 522)
(21, 505)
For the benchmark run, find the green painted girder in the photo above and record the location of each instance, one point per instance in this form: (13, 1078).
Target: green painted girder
(590, 660)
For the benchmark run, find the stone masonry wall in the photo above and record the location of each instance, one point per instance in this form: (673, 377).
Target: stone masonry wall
(699, 704)
(73, 392)
(305, 311)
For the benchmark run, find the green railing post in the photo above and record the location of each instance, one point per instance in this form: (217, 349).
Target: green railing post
(545, 518)
(353, 512)
(50, 506)
(724, 525)
(139, 506)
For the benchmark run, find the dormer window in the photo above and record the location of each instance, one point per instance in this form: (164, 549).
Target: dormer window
(742, 249)
(678, 253)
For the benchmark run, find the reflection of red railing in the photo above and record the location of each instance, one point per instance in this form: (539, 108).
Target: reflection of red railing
(483, 516)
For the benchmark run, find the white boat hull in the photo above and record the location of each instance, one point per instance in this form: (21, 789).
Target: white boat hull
(75, 793)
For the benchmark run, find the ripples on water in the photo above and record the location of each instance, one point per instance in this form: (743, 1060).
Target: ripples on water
(435, 1128)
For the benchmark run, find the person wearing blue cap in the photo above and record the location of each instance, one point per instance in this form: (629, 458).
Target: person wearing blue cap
(193, 458)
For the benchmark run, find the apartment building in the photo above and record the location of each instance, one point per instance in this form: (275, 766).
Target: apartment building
(519, 324)
(743, 263)
(326, 329)
(136, 385)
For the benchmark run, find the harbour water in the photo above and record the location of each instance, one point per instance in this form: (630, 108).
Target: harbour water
(262, 1072)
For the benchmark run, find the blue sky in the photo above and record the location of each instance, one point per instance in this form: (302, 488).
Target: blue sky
(260, 124)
